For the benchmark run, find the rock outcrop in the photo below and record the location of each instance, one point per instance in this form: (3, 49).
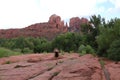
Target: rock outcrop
(44, 67)
(76, 22)
(47, 30)
(55, 19)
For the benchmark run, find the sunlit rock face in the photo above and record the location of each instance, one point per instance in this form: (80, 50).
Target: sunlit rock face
(55, 19)
(75, 23)
(49, 30)
(69, 67)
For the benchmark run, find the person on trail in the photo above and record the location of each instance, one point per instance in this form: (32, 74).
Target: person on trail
(56, 51)
(56, 54)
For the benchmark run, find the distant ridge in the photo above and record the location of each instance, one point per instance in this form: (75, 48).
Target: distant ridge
(47, 30)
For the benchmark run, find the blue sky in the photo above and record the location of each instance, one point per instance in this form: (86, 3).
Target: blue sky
(22, 13)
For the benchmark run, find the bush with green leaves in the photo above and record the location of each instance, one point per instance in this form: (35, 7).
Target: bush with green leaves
(27, 50)
(108, 33)
(114, 50)
(85, 49)
(67, 42)
(6, 52)
(81, 49)
(42, 46)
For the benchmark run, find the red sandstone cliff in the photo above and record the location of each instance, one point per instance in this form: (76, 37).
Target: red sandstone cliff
(49, 30)
(75, 24)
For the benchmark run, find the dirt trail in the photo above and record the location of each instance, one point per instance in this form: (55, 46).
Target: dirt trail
(46, 67)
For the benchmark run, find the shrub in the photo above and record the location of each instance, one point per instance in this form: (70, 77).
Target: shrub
(114, 50)
(67, 42)
(71, 52)
(85, 49)
(89, 49)
(6, 52)
(17, 50)
(27, 50)
(62, 52)
(82, 50)
(102, 63)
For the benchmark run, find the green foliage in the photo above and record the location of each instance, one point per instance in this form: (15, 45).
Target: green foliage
(96, 21)
(6, 52)
(71, 52)
(107, 36)
(81, 48)
(26, 45)
(62, 52)
(102, 63)
(27, 50)
(91, 31)
(7, 62)
(86, 29)
(114, 50)
(67, 42)
(22, 43)
(42, 45)
(85, 49)
(17, 43)
(89, 49)
(17, 50)
(101, 39)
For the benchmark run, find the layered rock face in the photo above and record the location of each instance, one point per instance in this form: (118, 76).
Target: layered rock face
(47, 30)
(76, 22)
(55, 19)
(69, 67)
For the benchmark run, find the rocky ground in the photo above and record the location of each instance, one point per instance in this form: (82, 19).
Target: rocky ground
(66, 67)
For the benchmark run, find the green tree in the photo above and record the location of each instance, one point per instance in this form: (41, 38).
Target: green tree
(41, 45)
(114, 50)
(107, 36)
(22, 43)
(91, 31)
(67, 42)
(2, 41)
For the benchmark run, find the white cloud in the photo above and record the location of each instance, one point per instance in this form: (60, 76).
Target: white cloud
(101, 9)
(17, 13)
(113, 11)
(21, 13)
(69, 8)
(101, 1)
(116, 3)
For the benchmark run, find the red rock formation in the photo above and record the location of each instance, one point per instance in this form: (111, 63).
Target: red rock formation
(76, 22)
(47, 30)
(43, 67)
(54, 19)
(84, 21)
